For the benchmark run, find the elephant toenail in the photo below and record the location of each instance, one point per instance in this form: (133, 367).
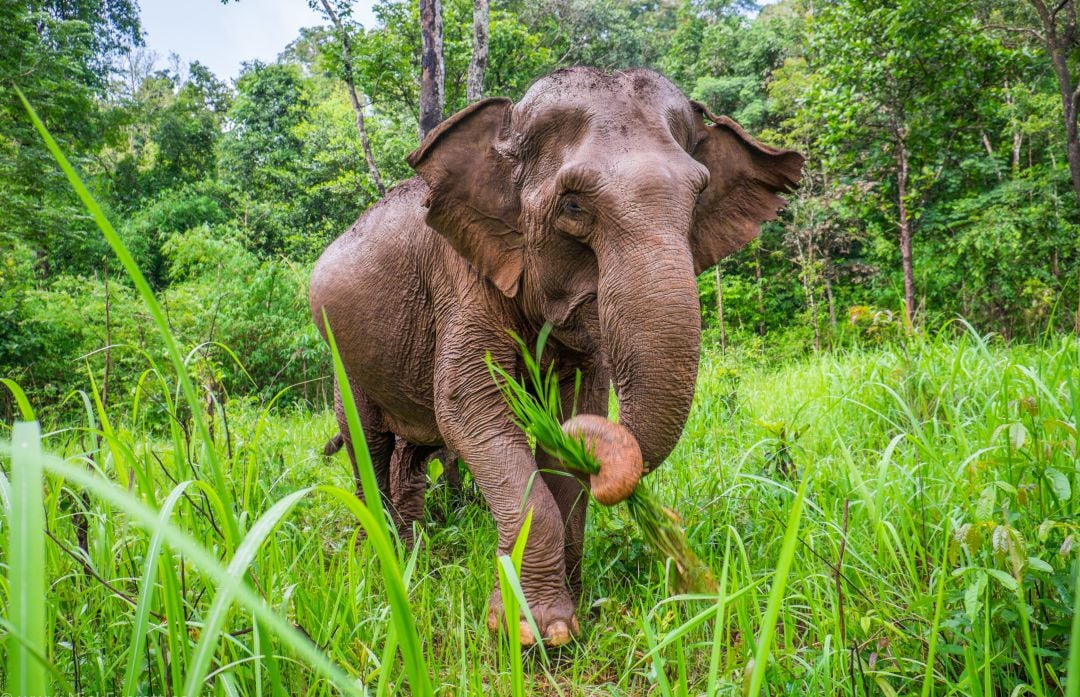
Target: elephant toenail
(557, 634)
(574, 626)
(527, 638)
(492, 621)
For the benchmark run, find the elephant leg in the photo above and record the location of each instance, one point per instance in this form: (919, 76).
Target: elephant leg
(408, 483)
(569, 492)
(573, 500)
(380, 443)
(451, 475)
(452, 470)
(473, 419)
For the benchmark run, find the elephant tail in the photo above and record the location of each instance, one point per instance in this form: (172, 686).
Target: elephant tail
(333, 445)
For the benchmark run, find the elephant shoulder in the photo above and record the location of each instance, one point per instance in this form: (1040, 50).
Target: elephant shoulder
(401, 210)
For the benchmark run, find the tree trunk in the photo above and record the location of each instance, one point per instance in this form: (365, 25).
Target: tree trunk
(1017, 134)
(811, 305)
(358, 109)
(1058, 45)
(905, 236)
(832, 310)
(478, 65)
(431, 65)
(990, 153)
(720, 309)
(760, 290)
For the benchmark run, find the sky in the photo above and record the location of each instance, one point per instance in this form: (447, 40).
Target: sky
(224, 36)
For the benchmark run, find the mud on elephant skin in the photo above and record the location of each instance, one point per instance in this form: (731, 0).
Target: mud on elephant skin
(592, 204)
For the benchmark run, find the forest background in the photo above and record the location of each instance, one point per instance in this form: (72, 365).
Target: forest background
(942, 178)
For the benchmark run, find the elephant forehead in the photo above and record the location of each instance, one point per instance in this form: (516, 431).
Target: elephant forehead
(591, 95)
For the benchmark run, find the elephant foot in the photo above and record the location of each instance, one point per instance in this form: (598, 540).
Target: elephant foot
(557, 621)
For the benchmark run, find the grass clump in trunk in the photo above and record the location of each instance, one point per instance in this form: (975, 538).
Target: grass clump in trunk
(536, 404)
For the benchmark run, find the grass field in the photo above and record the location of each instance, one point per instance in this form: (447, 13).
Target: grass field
(891, 521)
(934, 554)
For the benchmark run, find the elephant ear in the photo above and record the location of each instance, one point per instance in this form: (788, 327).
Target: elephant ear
(473, 201)
(745, 180)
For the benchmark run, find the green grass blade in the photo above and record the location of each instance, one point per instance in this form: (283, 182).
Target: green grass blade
(939, 603)
(718, 630)
(26, 564)
(515, 604)
(245, 555)
(405, 625)
(776, 594)
(372, 496)
(142, 610)
(25, 409)
(374, 519)
(513, 601)
(148, 519)
(1072, 686)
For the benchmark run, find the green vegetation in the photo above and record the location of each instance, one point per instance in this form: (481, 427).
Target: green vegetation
(889, 504)
(935, 552)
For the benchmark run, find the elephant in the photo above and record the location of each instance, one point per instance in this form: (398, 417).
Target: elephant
(591, 205)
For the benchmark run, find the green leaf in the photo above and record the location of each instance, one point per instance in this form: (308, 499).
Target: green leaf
(776, 594)
(1017, 435)
(1004, 579)
(235, 577)
(1072, 684)
(146, 595)
(25, 409)
(984, 509)
(1059, 484)
(373, 517)
(1039, 565)
(973, 594)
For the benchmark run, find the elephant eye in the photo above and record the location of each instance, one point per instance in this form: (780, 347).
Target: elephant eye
(572, 218)
(570, 206)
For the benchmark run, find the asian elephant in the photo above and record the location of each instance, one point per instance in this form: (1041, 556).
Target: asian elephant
(591, 204)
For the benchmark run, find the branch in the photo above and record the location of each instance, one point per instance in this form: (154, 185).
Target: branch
(1019, 30)
(89, 571)
(358, 109)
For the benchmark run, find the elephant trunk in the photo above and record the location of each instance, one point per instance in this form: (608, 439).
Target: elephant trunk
(650, 323)
(615, 450)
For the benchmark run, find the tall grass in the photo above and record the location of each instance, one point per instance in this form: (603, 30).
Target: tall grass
(890, 521)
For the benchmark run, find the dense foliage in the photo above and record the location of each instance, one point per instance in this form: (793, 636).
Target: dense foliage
(926, 125)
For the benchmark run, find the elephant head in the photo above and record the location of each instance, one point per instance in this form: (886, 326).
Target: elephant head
(595, 201)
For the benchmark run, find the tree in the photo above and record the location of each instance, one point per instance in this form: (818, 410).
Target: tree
(600, 33)
(432, 68)
(479, 52)
(59, 54)
(900, 85)
(348, 75)
(1057, 33)
(261, 156)
(721, 57)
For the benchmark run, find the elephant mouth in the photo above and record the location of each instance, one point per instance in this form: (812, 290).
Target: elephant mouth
(578, 327)
(580, 300)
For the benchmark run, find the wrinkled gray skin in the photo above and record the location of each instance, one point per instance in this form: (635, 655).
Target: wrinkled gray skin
(592, 204)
